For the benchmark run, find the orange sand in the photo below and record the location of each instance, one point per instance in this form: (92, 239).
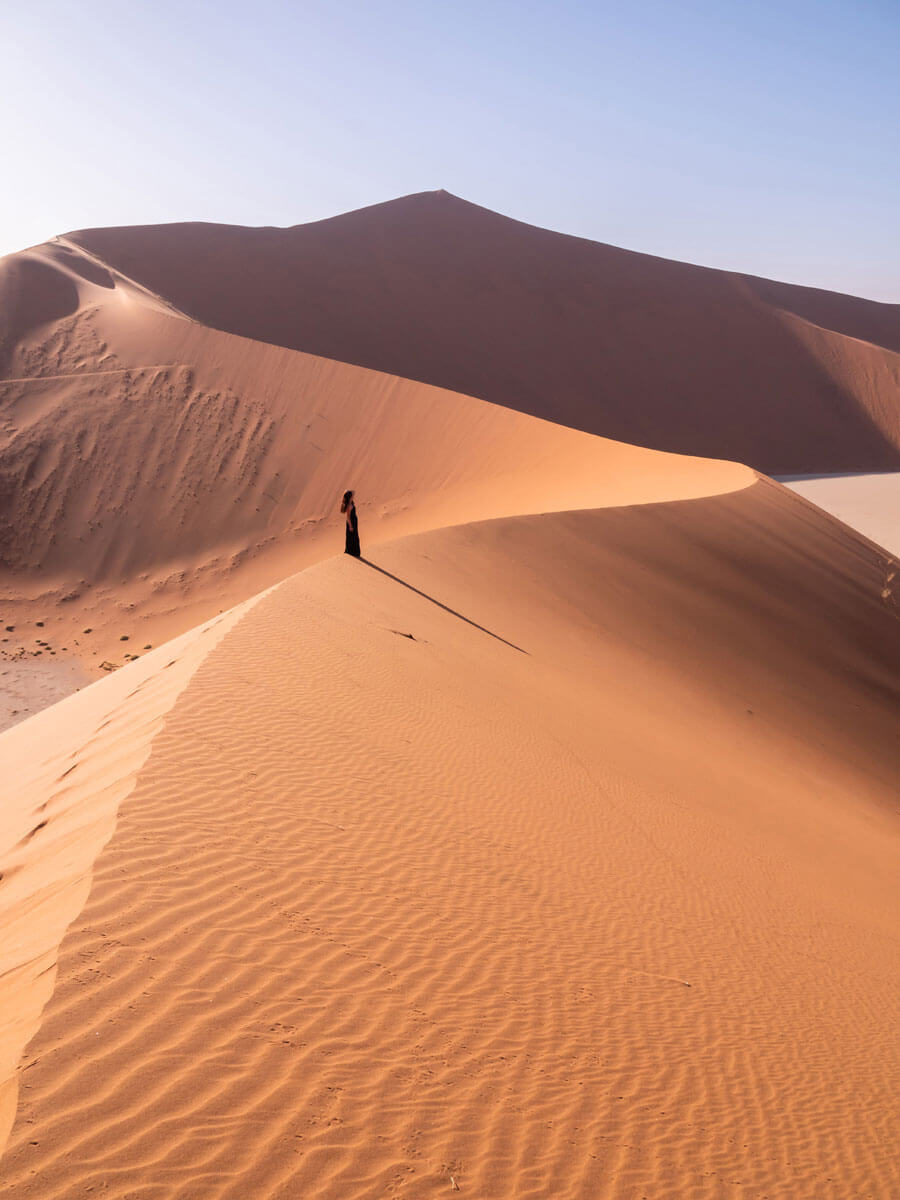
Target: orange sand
(632, 347)
(582, 889)
(867, 503)
(551, 851)
(65, 773)
(237, 454)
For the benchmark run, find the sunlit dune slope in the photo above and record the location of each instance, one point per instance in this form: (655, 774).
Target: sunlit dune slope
(621, 344)
(64, 774)
(155, 471)
(553, 855)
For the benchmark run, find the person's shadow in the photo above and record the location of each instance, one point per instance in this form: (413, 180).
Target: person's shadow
(446, 608)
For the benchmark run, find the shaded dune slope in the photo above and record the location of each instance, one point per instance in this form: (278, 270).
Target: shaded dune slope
(552, 854)
(153, 470)
(621, 344)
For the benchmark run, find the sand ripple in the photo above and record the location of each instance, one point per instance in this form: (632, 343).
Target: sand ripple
(365, 926)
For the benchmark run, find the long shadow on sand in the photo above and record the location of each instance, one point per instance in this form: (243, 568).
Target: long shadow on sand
(451, 611)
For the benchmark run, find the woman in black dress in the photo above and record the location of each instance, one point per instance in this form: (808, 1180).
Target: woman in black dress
(351, 543)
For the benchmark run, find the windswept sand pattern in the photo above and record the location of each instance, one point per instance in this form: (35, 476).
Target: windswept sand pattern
(71, 493)
(70, 348)
(625, 345)
(384, 910)
(64, 778)
(550, 851)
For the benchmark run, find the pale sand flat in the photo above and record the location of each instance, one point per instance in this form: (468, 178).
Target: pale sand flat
(28, 685)
(584, 889)
(867, 503)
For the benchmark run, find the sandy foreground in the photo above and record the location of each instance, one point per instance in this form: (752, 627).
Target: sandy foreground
(553, 856)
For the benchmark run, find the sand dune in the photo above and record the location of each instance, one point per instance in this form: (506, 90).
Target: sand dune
(553, 854)
(549, 852)
(625, 345)
(65, 773)
(157, 471)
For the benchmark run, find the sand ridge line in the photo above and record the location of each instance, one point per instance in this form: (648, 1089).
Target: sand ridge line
(60, 810)
(133, 284)
(237, 460)
(401, 907)
(625, 345)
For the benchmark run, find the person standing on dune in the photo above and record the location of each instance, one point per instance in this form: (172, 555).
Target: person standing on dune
(351, 542)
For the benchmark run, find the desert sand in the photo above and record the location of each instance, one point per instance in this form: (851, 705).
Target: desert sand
(636, 348)
(868, 503)
(235, 452)
(549, 851)
(29, 684)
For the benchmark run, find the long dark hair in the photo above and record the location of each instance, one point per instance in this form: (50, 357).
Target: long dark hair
(347, 501)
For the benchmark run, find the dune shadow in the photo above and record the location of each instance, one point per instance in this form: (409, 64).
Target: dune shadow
(445, 607)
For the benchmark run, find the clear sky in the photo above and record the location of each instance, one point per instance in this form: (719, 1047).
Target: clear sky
(758, 135)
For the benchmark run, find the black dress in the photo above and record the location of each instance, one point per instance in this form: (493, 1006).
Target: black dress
(351, 545)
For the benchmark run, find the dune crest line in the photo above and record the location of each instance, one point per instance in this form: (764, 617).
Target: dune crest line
(605, 919)
(237, 450)
(66, 772)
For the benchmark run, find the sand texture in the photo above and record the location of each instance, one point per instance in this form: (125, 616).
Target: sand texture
(158, 471)
(549, 851)
(65, 772)
(553, 854)
(625, 345)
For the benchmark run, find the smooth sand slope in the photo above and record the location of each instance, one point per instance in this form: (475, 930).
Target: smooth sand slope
(155, 472)
(553, 855)
(625, 345)
(64, 775)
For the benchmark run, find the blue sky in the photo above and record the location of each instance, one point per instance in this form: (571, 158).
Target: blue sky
(762, 137)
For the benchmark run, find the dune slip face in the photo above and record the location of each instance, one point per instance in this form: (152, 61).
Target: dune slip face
(536, 857)
(620, 344)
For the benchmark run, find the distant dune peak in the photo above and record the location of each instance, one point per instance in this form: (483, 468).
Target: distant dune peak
(435, 288)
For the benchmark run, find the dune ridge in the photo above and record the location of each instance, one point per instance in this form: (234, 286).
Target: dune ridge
(236, 449)
(157, 471)
(518, 857)
(625, 345)
(59, 810)
(549, 850)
